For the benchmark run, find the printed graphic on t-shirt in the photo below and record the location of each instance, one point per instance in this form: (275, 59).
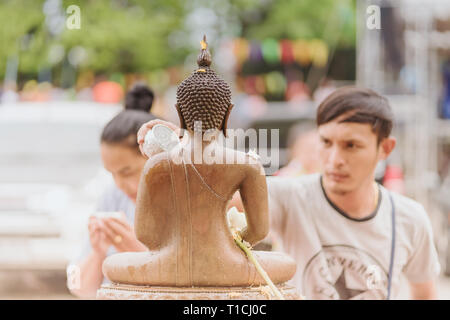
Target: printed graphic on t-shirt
(344, 272)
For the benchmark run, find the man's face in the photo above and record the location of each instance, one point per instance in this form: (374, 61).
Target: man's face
(349, 154)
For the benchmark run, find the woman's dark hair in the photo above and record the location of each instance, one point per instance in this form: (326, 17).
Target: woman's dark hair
(358, 105)
(139, 97)
(123, 128)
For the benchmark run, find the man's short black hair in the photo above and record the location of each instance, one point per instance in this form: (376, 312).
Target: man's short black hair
(358, 105)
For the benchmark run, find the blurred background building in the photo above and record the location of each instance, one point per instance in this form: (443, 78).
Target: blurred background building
(60, 82)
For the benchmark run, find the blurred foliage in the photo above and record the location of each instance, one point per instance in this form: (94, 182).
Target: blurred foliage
(301, 19)
(126, 36)
(22, 31)
(134, 35)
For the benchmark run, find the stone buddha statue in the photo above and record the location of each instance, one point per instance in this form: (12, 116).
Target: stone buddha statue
(181, 204)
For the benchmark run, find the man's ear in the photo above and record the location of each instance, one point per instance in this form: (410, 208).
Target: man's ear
(387, 145)
(180, 116)
(225, 120)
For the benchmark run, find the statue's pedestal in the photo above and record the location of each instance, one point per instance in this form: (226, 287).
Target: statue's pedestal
(130, 292)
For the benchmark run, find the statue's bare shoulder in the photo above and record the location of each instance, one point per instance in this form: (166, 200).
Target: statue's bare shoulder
(245, 162)
(156, 164)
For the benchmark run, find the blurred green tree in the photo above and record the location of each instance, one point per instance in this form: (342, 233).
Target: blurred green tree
(126, 36)
(134, 35)
(301, 19)
(21, 34)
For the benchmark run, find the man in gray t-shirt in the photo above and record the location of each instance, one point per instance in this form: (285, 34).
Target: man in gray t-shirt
(351, 238)
(341, 257)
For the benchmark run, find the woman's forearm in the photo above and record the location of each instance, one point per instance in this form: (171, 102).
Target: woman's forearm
(91, 276)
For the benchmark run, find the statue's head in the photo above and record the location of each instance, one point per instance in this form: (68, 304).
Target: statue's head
(203, 96)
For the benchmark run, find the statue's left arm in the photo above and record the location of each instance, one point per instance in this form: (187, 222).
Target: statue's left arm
(146, 222)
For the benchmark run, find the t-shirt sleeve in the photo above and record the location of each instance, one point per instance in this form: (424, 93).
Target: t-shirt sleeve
(278, 190)
(423, 265)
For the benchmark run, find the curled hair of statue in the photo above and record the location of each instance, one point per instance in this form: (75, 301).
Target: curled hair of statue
(204, 96)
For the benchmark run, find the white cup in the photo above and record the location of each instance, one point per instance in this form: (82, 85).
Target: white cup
(160, 138)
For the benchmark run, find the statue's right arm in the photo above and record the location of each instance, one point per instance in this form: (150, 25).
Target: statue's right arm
(277, 212)
(253, 190)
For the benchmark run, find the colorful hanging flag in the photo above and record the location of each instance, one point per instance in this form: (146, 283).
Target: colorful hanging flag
(287, 52)
(271, 51)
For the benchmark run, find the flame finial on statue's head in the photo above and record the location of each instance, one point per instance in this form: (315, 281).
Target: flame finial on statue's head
(204, 58)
